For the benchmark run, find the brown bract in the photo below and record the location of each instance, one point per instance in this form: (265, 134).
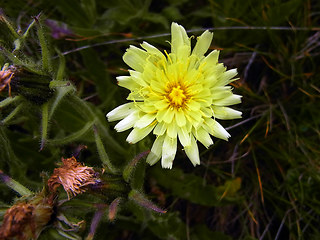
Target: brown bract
(25, 220)
(73, 176)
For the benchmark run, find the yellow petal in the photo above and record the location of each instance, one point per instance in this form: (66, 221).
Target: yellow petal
(169, 150)
(184, 136)
(127, 122)
(152, 50)
(127, 82)
(135, 58)
(183, 52)
(156, 150)
(215, 129)
(121, 112)
(220, 93)
(180, 117)
(135, 96)
(225, 78)
(211, 60)
(226, 113)
(172, 130)
(161, 104)
(138, 78)
(230, 100)
(179, 38)
(137, 134)
(145, 121)
(203, 137)
(193, 105)
(168, 116)
(192, 152)
(157, 86)
(160, 129)
(203, 44)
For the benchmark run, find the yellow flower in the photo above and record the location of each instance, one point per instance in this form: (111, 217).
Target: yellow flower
(177, 96)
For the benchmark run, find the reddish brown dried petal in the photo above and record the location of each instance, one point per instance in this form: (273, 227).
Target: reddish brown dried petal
(73, 176)
(6, 74)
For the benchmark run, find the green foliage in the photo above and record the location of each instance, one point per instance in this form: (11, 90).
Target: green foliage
(262, 184)
(193, 188)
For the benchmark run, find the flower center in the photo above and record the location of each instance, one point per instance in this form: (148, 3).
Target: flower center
(177, 96)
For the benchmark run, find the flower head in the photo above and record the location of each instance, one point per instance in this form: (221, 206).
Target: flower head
(27, 218)
(177, 96)
(73, 176)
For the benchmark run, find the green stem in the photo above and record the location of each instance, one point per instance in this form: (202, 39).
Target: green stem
(11, 115)
(21, 39)
(9, 100)
(45, 124)
(61, 68)
(60, 93)
(6, 149)
(45, 53)
(26, 33)
(102, 153)
(11, 28)
(83, 109)
(14, 185)
(74, 136)
(32, 67)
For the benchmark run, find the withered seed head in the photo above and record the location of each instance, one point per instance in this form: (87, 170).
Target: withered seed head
(26, 219)
(73, 176)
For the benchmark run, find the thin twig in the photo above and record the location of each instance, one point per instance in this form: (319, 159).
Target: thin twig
(285, 115)
(267, 228)
(243, 122)
(246, 70)
(274, 28)
(281, 224)
(232, 159)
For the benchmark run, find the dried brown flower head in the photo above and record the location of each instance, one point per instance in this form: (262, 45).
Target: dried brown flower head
(6, 74)
(26, 219)
(73, 176)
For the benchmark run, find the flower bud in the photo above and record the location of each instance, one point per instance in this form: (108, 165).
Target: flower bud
(32, 86)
